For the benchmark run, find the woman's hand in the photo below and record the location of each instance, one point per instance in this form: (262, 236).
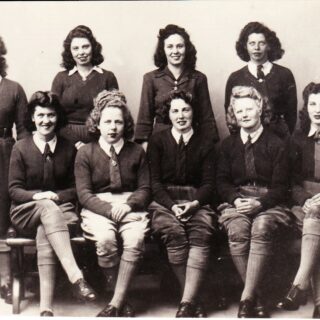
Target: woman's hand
(118, 211)
(79, 144)
(176, 210)
(46, 195)
(247, 205)
(183, 209)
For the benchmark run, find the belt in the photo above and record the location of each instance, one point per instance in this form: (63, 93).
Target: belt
(5, 132)
(254, 184)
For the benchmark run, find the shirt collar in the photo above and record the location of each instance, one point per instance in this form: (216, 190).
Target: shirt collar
(105, 146)
(75, 69)
(254, 135)
(41, 144)
(266, 68)
(313, 130)
(0, 79)
(186, 136)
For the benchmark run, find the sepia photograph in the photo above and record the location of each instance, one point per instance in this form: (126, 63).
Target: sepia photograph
(160, 159)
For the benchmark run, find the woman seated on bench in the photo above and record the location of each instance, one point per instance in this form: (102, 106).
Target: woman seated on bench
(41, 186)
(112, 179)
(182, 176)
(252, 178)
(305, 168)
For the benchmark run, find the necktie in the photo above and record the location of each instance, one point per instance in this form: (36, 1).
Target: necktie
(115, 177)
(260, 73)
(316, 136)
(181, 162)
(249, 160)
(48, 174)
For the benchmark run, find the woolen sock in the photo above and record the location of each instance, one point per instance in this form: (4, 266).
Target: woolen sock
(126, 272)
(193, 282)
(111, 275)
(60, 242)
(310, 254)
(255, 271)
(5, 268)
(315, 281)
(241, 263)
(47, 275)
(180, 272)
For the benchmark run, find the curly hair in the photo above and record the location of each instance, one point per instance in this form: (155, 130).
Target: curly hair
(80, 32)
(239, 92)
(45, 99)
(305, 122)
(159, 56)
(3, 64)
(110, 99)
(275, 52)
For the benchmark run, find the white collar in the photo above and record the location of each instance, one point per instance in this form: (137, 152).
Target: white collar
(105, 146)
(186, 136)
(313, 129)
(266, 68)
(75, 69)
(254, 135)
(42, 144)
(0, 79)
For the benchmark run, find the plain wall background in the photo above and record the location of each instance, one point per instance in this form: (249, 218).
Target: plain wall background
(34, 32)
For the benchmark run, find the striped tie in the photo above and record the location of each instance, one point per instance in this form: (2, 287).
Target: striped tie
(115, 177)
(251, 173)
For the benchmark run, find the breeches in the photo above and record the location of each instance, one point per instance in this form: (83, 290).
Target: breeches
(307, 223)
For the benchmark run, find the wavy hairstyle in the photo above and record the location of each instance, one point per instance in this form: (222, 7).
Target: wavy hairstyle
(240, 92)
(3, 64)
(159, 56)
(305, 122)
(275, 52)
(110, 99)
(80, 32)
(45, 99)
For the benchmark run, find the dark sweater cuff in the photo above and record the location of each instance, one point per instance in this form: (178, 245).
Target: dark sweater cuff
(232, 197)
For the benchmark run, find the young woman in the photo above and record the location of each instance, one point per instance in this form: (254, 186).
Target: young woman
(41, 186)
(175, 58)
(13, 103)
(183, 186)
(82, 80)
(305, 168)
(112, 179)
(252, 176)
(259, 46)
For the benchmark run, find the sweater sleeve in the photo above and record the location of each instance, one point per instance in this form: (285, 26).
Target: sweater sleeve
(57, 85)
(159, 191)
(20, 109)
(228, 91)
(112, 82)
(84, 186)
(17, 178)
(146, 111)
(140, 198)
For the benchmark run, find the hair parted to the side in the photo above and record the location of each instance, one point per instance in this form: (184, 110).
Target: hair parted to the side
(110, 99)
(3, 64)
(240, 92)
(160, 59)
(81, 32)
(305, 122)
(275, 52)
(44, 99)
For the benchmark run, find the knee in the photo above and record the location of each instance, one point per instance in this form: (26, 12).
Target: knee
(106, 244)
(174, 237)
(239, 231)
(313, 212)
(263, 229)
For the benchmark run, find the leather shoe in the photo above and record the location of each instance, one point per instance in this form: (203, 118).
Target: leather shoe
(261, 312)
(293, 299)
(109, 311)
(316, 312)
(186, 310)
(46, 313)
(246, 309)
(82, 291)
(200, 311)
(6, 293)
(127, 311)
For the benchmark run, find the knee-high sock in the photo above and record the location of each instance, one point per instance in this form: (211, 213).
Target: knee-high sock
(193, 282)
(180, 272)
(5, 268)
(310, 254)
(241, 263)
(60, 242)
(111, 276)
(255, 271)
(315, 280)
(47, 282)
(126, 272)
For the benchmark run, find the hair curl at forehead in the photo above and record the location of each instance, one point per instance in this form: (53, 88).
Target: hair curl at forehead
(110, 99)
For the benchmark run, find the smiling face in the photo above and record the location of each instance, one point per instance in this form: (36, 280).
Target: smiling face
(45, 120)
(181, 115)
(247, 113)
(314, 108)
(257, 48)
(111, 124)
(175, 49)
(81, 50)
